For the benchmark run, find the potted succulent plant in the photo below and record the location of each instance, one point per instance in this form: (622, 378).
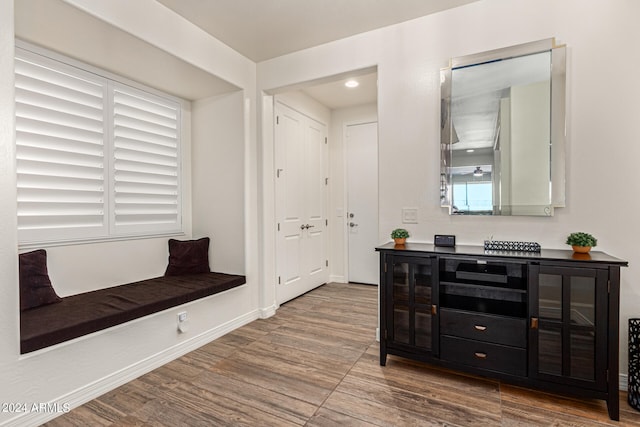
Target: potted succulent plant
(581, 242)
(399, 235)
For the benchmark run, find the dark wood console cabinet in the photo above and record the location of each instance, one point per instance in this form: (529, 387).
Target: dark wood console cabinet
(547, 320)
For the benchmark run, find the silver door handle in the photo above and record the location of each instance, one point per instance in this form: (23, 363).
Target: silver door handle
(306, 226)
(309, 226)
(353, 224)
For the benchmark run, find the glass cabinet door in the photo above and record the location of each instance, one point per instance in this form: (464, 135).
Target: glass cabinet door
(412, 302)
(565, 334)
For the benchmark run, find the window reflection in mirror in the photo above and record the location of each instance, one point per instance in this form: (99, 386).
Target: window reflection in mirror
(497, 138)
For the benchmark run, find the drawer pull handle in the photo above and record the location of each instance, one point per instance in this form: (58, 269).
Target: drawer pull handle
(480, 355)
(480, 328)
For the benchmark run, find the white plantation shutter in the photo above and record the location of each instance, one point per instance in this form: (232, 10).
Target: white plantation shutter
(96, 159)
(146, 162)
(60, 131)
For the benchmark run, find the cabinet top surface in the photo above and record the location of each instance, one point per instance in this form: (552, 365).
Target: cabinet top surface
(544, 254)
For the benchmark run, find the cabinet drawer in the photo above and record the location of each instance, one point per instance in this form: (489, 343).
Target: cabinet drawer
(493, 357)
(484, 327)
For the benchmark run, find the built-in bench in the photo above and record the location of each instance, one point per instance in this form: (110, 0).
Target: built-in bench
(82, 314)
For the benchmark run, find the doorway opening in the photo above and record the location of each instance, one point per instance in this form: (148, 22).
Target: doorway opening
(329, 250)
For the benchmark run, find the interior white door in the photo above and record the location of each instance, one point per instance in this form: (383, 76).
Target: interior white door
(362, 202)
(301, 199)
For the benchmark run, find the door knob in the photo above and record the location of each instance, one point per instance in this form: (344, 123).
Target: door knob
(353, 224)
(351, 215)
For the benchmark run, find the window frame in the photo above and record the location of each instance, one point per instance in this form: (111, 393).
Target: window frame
(109, 231)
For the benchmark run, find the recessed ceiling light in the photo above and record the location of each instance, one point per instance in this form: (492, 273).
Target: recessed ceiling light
(351, 83)
(470, 150)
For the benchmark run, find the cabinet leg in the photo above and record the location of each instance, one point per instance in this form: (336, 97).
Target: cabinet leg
(613, 406)
(383, 358)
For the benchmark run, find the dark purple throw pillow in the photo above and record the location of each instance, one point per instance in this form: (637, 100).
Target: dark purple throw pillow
(188, 257)
(35, 285)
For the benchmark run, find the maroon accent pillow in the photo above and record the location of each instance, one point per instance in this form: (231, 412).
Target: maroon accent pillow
(188, 257)
(35, 285)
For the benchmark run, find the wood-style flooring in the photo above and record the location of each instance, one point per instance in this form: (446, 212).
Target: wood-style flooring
(315, 363)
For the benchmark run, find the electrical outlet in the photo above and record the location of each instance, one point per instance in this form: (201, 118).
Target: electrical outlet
(182, 316)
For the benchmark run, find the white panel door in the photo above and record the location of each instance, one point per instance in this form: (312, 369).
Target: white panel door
(301, 197)
(362, 202)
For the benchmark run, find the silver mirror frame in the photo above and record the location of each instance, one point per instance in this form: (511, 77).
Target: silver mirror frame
(558, 114)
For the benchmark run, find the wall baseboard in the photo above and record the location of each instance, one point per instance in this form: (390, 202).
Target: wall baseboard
(337, 279)
(268, 311)
(93, 390)
(623, 383)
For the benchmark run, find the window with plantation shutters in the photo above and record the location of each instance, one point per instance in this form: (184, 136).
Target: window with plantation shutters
(60, 132)
(96, 159)
(145, 180)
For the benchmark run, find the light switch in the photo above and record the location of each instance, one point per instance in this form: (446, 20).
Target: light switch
(409, 215)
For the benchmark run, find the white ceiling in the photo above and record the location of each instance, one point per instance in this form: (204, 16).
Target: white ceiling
(264, 29)
(335, 94)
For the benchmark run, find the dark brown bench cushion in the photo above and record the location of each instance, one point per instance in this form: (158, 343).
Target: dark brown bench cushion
(89, 312)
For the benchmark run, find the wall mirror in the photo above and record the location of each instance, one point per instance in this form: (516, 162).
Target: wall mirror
(503, 131)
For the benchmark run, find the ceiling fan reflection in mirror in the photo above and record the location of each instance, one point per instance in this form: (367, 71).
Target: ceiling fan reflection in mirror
(476, 171)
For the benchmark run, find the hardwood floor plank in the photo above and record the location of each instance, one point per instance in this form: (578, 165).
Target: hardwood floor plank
(299, 356)
(289, 385)
(526, 416)
(129, 397)
(595, 410)
(375, 412)
(169, 411)
(80, 417)
(288, 408)
(628, 416)
(223, 408)
(424, 403)
(130, 421)
(316, 363)
(413, 376)
(328, 418)
(298, 339)
(286, 367)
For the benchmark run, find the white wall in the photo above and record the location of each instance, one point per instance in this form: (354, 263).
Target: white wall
(601, 121)
(79, 370)
(9, 324)
(306, 105)
(218, 179)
